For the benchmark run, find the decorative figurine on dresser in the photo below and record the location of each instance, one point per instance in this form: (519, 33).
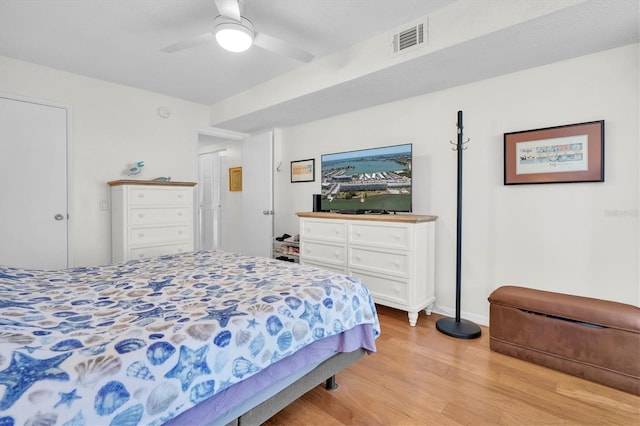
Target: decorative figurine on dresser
(151, 218)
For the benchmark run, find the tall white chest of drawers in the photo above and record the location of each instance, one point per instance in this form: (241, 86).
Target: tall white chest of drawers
(150, 218)
(393, 255)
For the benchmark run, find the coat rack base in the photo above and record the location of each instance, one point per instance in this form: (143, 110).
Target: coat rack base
(462, 329)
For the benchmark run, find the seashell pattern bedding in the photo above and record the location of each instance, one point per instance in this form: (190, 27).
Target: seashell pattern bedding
(140, 342)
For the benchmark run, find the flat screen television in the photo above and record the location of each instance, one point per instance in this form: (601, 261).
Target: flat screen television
(375, 180)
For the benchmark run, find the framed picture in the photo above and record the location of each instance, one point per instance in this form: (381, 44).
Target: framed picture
(235, 179)
(303, 170)
(570, 153)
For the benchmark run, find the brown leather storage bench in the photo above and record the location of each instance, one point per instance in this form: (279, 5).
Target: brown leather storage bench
(597, 340)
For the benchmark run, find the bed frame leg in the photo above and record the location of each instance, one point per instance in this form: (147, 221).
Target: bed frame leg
(331, 384)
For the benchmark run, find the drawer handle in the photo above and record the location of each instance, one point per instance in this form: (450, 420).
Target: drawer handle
(180, 196)
(179, 232)
(141, 255)
(140, 235)
(140, 195)
(358, 258)
(337, 254)
(179, 213)
(140, 215)
(396, 236)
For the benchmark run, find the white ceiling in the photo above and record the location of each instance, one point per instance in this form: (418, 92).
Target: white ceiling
(120, 41)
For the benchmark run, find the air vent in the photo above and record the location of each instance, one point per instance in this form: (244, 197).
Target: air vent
(408, 38)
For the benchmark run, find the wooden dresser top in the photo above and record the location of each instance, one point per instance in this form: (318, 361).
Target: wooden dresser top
(399, 218)
(149, 182)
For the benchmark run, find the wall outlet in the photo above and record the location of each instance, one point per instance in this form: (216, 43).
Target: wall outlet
(104, 204)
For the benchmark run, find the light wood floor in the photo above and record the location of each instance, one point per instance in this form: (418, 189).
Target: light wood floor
(420, 376)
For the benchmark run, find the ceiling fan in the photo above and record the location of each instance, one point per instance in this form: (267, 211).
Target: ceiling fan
(235, 33)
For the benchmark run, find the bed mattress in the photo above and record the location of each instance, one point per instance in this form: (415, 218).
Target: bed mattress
(143, 341)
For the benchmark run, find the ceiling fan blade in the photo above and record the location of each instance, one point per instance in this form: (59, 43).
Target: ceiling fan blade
(186, 44)
(281, 47)
(229, 9)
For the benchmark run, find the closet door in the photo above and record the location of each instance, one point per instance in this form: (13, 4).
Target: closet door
(33, 189)
(257, 194)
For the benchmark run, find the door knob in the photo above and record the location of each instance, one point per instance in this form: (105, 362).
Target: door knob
(58, 217)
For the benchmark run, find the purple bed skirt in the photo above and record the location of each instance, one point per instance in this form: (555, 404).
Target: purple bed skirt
(361, 336)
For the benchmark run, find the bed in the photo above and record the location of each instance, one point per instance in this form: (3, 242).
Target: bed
(196, 338)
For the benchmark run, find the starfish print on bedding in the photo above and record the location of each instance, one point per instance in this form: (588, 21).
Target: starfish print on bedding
(67, 398)
(159, 285)
(190, 365)
(311, 314)
(30, 349)
(67, 327)
(16, 277)
(11, 304)
(153, 313)
(24, 371)
(327, 285)
(222, 315)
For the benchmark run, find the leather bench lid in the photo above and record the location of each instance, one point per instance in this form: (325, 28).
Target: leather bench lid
(578, 308)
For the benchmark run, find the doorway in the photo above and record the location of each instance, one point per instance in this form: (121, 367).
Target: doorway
(244, 221)
(210, 198)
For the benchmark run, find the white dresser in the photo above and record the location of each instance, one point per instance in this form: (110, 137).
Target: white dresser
(150, 218)
(393, 255)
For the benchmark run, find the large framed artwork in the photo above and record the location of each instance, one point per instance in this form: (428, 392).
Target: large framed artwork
(303, 170)
(569, 153)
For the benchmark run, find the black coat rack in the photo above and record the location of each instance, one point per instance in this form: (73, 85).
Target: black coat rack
(457, 327)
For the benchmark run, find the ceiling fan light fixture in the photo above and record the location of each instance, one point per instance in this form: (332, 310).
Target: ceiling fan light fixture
(232, 35)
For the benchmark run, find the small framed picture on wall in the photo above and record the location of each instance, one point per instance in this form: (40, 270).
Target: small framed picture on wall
(303, 170)
(235, 179)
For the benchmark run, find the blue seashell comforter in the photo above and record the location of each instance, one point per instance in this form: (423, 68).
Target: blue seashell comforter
(143, 341)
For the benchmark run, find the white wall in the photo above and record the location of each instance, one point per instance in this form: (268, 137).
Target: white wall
(112, 126)
(579, 238)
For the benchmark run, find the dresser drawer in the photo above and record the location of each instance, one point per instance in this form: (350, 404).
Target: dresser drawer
(159, 234)
(380, 234)
(330, 230)
(383, 289)
(150, 216)
(386, 262)
(144, 252)
(160, 196)
(328, 267)
(335, 254)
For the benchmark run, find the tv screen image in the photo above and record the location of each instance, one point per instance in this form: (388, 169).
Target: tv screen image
(376, 180)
